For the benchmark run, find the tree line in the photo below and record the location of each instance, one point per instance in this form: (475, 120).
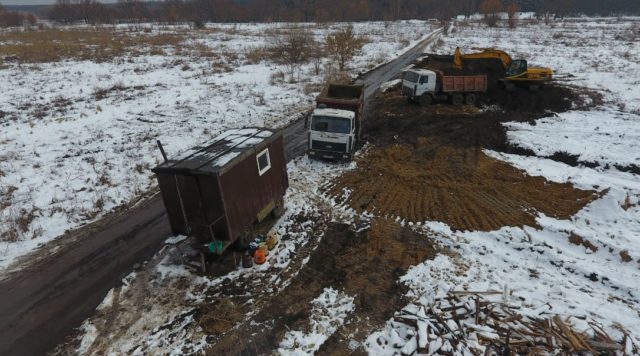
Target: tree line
(15, 18)
(200, 11)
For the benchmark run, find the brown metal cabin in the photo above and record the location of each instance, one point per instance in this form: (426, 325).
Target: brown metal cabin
(216, 191)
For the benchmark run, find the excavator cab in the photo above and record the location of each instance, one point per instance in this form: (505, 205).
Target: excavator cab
(517, 67)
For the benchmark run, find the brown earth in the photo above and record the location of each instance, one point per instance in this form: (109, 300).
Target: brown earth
(427, 163)
(459, 186)
(365, 265)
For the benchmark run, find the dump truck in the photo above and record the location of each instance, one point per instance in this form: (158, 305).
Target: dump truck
(336, 124)
(217, 191)
(517, 71)
(426, 86)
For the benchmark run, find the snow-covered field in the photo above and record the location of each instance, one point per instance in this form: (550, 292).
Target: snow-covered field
(602, 54)
(585, 269)
(78, 138)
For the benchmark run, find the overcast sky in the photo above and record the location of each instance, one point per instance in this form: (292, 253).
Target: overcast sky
(35, 2)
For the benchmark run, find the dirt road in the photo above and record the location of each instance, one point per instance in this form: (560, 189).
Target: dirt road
(44, 301)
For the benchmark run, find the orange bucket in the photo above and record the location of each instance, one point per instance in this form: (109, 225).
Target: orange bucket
(260, 257)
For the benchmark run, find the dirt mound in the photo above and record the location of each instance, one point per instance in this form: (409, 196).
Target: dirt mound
(393, 120)
(461, 187)
(365, 265)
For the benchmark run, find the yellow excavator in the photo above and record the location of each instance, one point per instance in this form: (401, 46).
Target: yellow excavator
(517, 71)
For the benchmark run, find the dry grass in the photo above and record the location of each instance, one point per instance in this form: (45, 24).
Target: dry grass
(100, 45)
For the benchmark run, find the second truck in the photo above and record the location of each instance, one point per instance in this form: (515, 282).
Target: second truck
(336, 124)
(426, 86)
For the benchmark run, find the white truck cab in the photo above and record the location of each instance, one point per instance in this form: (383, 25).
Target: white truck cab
(332, 133)
(417, 82)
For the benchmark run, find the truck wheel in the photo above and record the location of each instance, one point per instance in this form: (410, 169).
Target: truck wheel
(278, 211)
(457, 99)
(470, 99)
(425, 100)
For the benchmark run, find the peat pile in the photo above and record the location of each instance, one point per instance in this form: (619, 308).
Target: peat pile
(460, 186)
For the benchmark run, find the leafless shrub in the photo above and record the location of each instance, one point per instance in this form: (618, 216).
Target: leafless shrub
(221, 67)
(256, 55)
(102, 93)
(630, 34)
(292, 48)
(276, 77)
(312, 88)
(343, 45)
(512, 13)
(491, 10)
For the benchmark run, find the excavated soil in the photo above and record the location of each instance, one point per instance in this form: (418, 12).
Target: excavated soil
(365, 265)
(459, 186)
(427, 164)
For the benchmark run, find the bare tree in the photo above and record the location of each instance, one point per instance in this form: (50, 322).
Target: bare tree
(63, 11)
(512, 12)
(293, 47)
(343, 45)
(491, 10)
(132, 10)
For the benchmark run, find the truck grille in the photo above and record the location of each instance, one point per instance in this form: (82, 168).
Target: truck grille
(408, 91)
(328, 146)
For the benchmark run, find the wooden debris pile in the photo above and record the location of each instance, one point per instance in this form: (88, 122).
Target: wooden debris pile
(468, 323)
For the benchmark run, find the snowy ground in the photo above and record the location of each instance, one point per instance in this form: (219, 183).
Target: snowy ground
(586, 267)
(596, 276)
(78, 137)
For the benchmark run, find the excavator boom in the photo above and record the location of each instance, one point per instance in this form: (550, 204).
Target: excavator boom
(516, 70)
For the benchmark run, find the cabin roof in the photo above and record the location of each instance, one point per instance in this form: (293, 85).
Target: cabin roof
(222, 151)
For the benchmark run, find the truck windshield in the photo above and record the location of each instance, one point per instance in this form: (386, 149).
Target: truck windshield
(331, 124)
(411, 76)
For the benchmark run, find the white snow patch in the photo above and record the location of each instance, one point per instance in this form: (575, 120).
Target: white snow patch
(329, 311)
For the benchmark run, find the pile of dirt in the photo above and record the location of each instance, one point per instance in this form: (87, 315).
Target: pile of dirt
(365, 265)
(393, 120)
(461, 187)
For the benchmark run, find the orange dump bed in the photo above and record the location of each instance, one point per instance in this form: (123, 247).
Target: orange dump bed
(464, 83)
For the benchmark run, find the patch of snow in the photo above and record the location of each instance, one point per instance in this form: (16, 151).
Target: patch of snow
(329, 311)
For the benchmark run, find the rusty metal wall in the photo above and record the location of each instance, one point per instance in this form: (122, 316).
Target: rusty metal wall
(245, 192)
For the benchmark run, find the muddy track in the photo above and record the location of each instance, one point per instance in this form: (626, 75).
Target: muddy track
(60, 285)
(365, 265)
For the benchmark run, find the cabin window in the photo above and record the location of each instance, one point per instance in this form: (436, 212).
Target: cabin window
(411, 76)
(424, 79)
(264, 161)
